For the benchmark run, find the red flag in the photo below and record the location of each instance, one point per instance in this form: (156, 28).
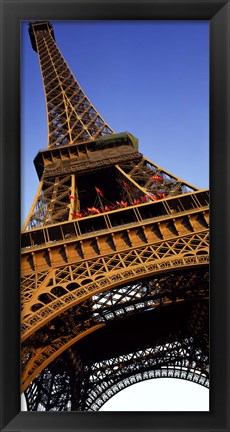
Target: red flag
(95, 210)
(76, 215)
(127, 186)
(99, 191)
(157, 178)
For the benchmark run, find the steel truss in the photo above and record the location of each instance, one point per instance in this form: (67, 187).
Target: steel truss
(182, 353)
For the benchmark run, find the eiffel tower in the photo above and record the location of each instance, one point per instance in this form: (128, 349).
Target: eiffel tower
(114, 258)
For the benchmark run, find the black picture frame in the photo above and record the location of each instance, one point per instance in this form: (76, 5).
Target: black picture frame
(218, 14)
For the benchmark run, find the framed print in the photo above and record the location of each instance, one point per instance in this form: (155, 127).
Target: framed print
(87, 296)
(111, 242)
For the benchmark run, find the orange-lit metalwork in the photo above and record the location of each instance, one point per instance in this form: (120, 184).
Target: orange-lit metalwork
(114, 263)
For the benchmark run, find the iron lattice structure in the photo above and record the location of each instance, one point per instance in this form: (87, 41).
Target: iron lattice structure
(114, 259)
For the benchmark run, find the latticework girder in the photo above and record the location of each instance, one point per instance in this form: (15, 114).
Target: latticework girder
(149, 354)
(67, 285)
(71, 116)
(64, 197)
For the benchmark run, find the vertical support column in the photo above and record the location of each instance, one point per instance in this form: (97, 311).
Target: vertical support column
(72, 204)
(76, 370)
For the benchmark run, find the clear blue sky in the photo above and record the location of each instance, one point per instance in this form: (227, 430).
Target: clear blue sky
(148, 78)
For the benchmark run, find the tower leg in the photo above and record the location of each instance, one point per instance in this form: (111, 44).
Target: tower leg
(76, 372)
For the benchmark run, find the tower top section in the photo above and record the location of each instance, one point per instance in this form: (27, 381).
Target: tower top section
(39, 26)
(72, 119)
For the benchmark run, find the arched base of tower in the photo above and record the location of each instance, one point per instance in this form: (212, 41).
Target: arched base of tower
(125, 352)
